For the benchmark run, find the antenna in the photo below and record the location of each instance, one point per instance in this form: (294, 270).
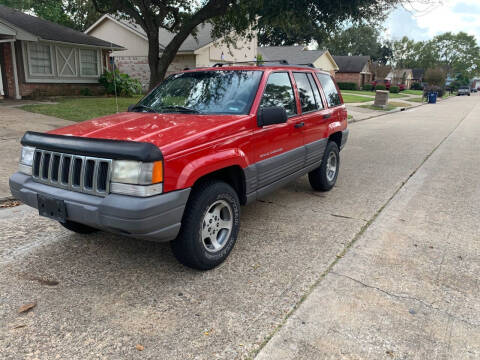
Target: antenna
(114, 78)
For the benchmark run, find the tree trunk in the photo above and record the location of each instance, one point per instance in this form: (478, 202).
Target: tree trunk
(153, 59)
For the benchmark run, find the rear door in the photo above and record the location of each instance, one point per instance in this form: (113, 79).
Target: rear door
(314, 117)
(337, 110)
(279, 147)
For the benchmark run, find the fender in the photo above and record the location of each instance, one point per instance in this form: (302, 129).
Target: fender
(210, 163)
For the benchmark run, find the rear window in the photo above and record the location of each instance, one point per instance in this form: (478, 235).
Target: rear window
(330, 90)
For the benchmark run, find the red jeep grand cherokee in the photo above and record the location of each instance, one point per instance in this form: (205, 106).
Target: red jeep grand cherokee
(178, 165)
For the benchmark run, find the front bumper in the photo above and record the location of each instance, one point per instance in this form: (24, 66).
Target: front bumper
(155, 218)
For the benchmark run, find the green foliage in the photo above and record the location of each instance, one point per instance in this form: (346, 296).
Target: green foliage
(380, 87)
(358, 39)
(394, 89)
(368, 87)
(347, 86)
(122, 84)
(416, 86)
(436, 76)
(86, 92)
(457, 53)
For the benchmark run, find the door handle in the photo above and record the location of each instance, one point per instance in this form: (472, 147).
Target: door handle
(327, 116)
(299, 125)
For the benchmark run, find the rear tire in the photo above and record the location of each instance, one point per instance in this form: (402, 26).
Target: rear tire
(325, 176)
(210, 226)
(78, 228)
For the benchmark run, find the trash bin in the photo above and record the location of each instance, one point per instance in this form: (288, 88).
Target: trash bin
(432, 97)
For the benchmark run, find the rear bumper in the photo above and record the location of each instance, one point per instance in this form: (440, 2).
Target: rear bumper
(155, 218)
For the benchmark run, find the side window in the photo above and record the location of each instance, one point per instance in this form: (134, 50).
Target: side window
(331, 93)
(316, 93)
(279, 92)
(305, 92)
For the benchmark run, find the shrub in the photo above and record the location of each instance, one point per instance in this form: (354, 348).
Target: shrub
(417, 86)
(368, 87)
(436, 77)
(347, 86)
(86, 92)
(380, 87)
(394, 89)
(122, 83)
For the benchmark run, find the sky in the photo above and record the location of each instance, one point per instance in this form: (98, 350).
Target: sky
(422, 22)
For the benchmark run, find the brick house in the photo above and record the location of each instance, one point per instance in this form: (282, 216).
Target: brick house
(39, 58)
(320, 59)
(401, 77)
(354, 69)
(199, 51)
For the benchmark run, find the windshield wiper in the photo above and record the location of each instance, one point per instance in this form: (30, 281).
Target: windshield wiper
(140, 106)
(180, 109)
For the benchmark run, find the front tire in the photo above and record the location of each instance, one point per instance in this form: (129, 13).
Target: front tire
(210, 226)
(325, 176)
(78, 228)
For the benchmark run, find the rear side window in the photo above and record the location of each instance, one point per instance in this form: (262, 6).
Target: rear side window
(330, 90)
(279, 92)
(305, 92)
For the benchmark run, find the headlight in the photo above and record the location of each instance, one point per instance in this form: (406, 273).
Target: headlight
(136, 172)
(27, 155)
(136, 178)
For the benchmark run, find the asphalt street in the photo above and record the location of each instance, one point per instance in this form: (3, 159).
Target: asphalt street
(407, 183)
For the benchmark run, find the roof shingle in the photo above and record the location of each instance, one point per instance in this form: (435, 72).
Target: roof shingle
(351, 64)
(48, 30)
(292, 54)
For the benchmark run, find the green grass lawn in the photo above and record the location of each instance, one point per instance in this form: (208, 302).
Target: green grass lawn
(417, 99)
(372, 94)
(348, 98)
(373, 107)
(413, 92)
(84, 108)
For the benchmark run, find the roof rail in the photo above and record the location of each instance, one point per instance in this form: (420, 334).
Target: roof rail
(258, 62)
(308, 64)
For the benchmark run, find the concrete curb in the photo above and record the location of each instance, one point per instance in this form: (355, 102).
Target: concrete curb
(351, 121)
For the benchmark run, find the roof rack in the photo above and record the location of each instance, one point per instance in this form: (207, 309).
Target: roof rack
(258, 62)
(308, 64)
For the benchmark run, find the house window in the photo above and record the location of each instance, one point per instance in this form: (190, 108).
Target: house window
(88, 62)
(40, 59)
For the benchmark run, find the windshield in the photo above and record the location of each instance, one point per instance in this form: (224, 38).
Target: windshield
(204, 92)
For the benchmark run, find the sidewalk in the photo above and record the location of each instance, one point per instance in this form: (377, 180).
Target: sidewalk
(408, 288)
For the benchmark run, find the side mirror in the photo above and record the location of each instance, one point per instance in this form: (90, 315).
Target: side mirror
(271, 115)
(130, 107)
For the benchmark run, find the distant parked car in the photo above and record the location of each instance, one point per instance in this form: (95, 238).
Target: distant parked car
(474, 90)
(463, 90)
(402, 87)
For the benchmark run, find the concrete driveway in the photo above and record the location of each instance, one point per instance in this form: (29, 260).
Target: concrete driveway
(100, 296)
(13, 124)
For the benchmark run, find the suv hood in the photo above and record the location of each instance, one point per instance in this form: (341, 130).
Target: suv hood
(170, 132)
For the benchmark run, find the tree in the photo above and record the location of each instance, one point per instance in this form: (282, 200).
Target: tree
(460, 53)
(76, 14)
(435, 77)
(277, 21)
(358, 39)
(457, 53)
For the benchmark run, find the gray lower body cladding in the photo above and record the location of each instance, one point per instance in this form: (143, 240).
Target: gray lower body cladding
(275, 172)
(155, 218)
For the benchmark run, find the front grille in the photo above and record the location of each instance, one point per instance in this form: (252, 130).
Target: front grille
(73, 172)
